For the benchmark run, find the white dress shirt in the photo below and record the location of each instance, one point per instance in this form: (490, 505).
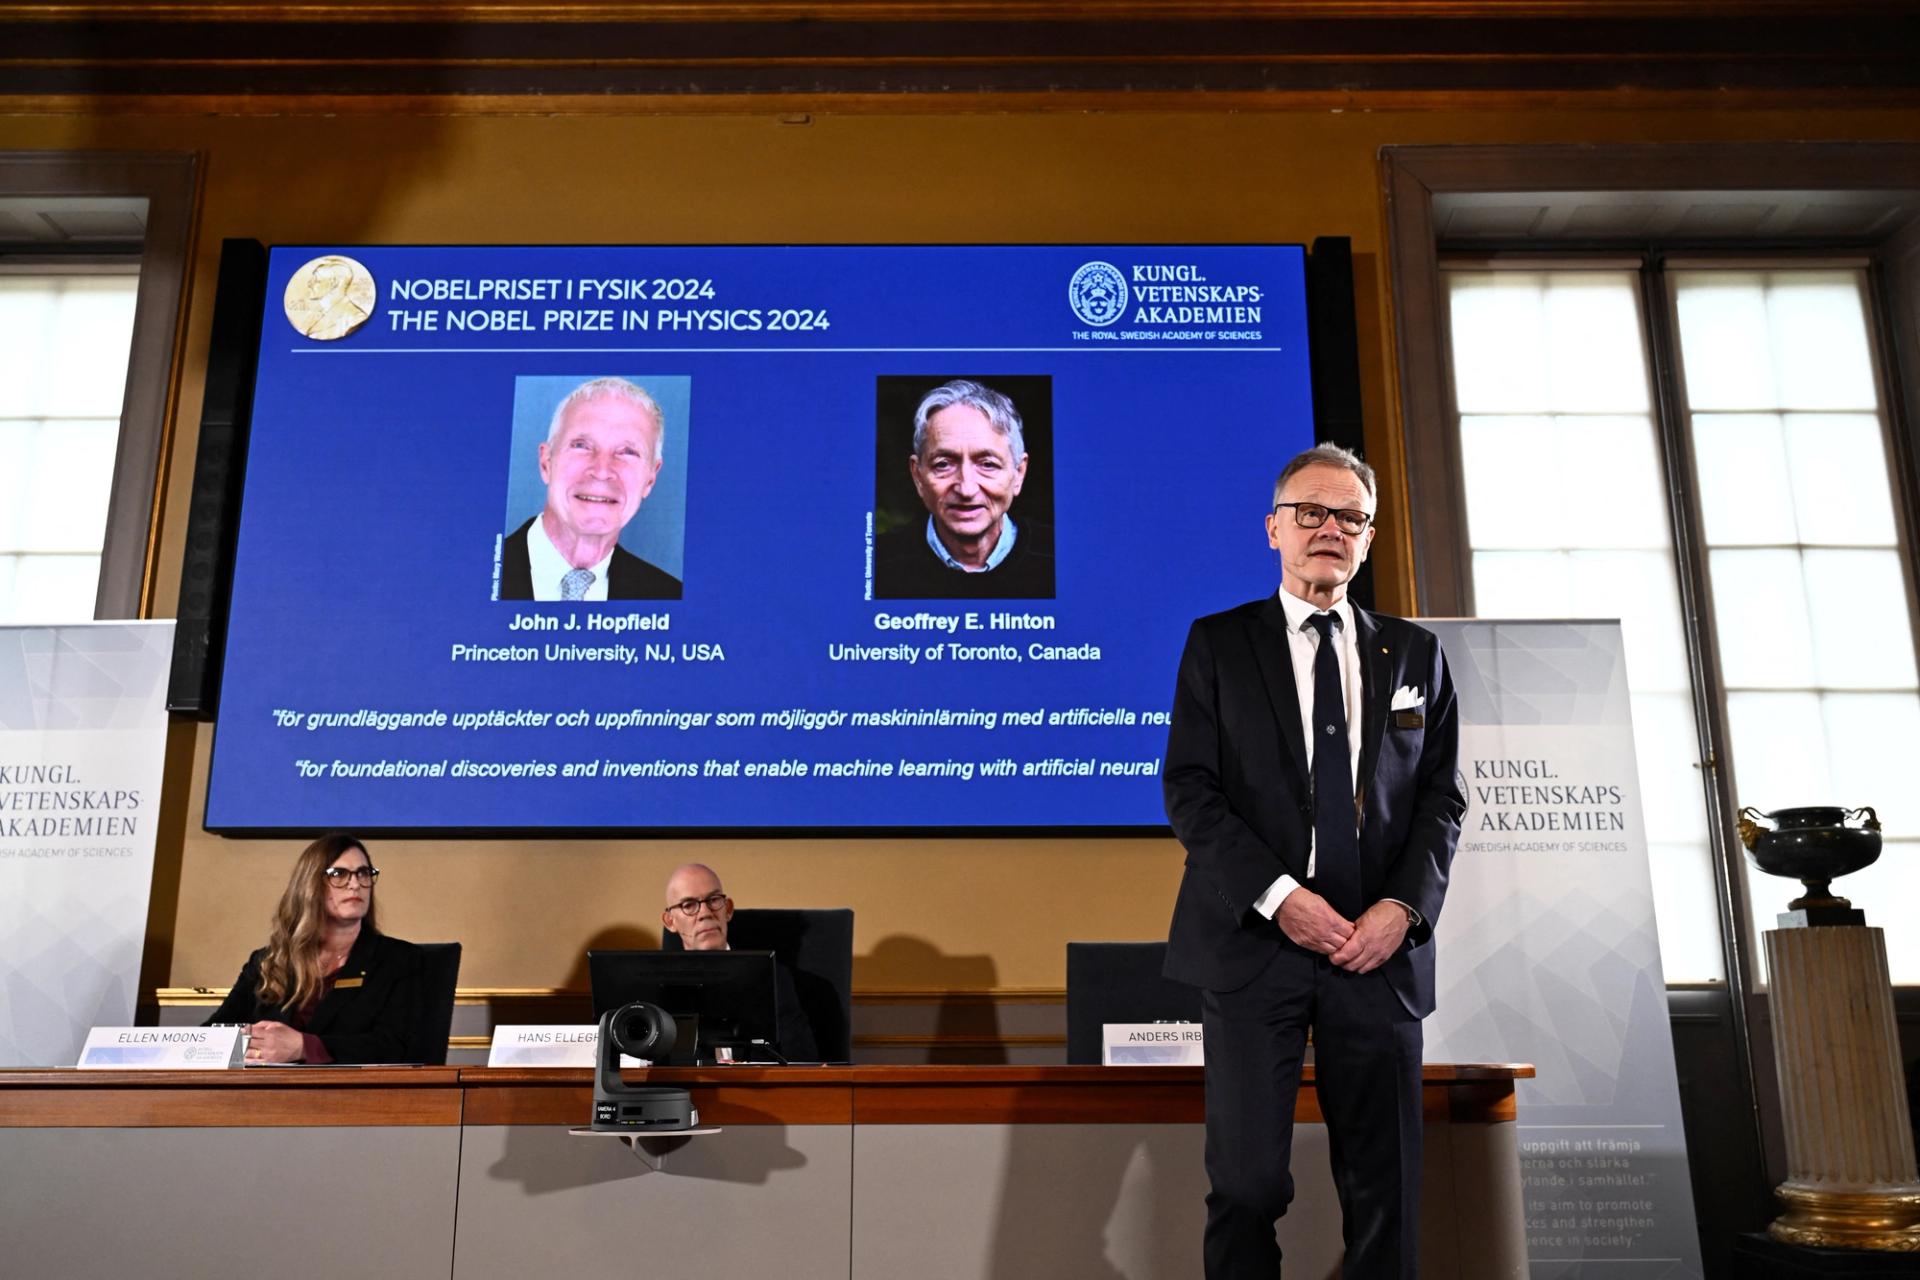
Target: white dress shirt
(1001, 549)
(1303, 646)
(548, 566)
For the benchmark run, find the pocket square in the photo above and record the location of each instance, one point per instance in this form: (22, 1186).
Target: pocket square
(1407, 698)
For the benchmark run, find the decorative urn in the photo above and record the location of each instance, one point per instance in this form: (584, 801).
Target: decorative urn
(1814, 846)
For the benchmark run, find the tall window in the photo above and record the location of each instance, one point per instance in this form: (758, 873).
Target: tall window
(1567, 518)
(1570, 514)
(64, 341)
(1810, 593)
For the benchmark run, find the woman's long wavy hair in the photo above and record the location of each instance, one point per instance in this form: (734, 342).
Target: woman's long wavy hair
(290, 971)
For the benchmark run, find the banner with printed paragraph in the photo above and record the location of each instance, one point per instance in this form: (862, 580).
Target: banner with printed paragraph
(83, 733)
(1548, 952)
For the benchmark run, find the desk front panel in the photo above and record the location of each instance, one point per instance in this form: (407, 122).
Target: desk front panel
(756, 1199)
(320, 1200)
(868, 1172)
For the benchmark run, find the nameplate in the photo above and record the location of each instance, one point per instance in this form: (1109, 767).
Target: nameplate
(1150, 1044)
(568, 1046)
(163, 1048)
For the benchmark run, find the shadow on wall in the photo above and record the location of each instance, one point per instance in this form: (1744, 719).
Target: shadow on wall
(163, 898)
(1099, 1202)
(1110, 1201)
(1913, 1103)
(615, 937)
(542, 1159)
(965, 1028)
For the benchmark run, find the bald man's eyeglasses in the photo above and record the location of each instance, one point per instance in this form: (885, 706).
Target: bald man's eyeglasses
(690, 907)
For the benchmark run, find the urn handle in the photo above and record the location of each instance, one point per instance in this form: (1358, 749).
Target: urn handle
(1750, 828)
(1871, 823)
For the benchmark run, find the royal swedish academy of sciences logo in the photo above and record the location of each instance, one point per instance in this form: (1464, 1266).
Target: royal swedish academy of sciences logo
(1098, 294)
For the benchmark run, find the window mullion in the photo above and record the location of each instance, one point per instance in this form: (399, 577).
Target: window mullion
(1897, 431)
(1709, 694)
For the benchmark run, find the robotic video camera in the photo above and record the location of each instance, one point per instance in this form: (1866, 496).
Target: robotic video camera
(647, 1031)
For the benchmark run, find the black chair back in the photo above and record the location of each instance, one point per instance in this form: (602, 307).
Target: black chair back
(1120, 982)
(433, 1016)
(816, 946)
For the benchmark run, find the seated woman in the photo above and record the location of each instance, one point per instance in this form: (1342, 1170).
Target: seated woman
(328, 986)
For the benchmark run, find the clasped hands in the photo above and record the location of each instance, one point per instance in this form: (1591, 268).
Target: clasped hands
(274, 1042)
(1358, 946)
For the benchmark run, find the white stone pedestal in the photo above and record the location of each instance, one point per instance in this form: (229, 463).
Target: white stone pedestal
(1851, 1182)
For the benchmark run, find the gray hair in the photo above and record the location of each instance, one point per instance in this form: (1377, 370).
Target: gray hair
(1326, 455)
(613, 389)
(997, 409)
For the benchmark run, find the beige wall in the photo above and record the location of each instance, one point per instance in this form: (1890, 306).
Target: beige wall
(931, 913)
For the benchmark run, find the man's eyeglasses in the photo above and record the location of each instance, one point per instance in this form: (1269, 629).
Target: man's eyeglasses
(341, 877)
(1311, 515)
(691, 906)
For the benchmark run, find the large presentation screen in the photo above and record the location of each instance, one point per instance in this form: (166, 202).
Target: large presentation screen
(743, 538)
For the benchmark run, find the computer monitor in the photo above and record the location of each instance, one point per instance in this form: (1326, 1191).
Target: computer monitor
(717, 998)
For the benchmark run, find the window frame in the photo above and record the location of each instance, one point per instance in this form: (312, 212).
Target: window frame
(1688, 563)
(1883, 176)
(168, 182)
(76, 266)
(1895, 431)
(1895, 428)
(1415, 177)
(1670, 411)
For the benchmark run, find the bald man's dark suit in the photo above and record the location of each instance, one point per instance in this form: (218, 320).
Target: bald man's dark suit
(1239, 796)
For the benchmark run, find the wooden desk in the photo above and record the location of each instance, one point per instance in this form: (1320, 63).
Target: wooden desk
(878, 1172)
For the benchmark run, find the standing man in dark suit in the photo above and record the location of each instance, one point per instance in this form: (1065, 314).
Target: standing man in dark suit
(599, 462)
(1311, 775)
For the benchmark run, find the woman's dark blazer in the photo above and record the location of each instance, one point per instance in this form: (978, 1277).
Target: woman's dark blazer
(369, 1014)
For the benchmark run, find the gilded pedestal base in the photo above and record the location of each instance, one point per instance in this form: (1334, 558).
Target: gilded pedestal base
(1886, 1218)
(1851, 1178)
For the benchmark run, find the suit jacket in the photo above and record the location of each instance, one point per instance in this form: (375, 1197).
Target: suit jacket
(1240, 796)
(795, 1035)
(369, 1021)
(905, 568)
(628, 576)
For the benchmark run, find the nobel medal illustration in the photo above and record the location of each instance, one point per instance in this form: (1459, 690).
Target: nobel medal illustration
(330, 297)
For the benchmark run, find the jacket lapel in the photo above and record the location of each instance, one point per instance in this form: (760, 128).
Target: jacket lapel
(1376, 661)
(1273, 651)
(355, 970)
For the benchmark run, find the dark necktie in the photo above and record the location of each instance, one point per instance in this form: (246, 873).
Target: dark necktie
(1336, 843)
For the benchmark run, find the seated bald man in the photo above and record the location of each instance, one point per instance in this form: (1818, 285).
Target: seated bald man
(699, 912)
